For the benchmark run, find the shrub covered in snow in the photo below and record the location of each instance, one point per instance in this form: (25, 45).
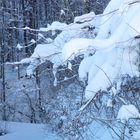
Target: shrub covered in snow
(115, 47)
(100, 49)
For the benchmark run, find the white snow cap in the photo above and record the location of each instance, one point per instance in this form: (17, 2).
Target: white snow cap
(33, 41)
(62, 12)
(19, 46)
(56, 25)
(85, 17)
(76, 46)
(127, 112)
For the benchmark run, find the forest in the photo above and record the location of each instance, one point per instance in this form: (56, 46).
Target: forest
(69, 68)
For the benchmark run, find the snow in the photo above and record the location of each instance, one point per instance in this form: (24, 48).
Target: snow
(103, 78)
(75, 46)
(127, 112)
(27, 28)
(52, 50)
(62, 12)
(32, 67)
(110, 19)
(122, 33)
(109, 103)
(97, 131)
(114, 44)
(101, 72)
(19, 46)
(85, 17)
(136, 135)
(116, 34)
(41, 36)
(25, 60)
(90, 63)
(33, 41)
(113, 52)
(41, 53)
(44, 50)
(55, 26)
(25, 131)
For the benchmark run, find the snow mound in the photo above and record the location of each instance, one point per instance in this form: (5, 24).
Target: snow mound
(127, 112)
(52, 50)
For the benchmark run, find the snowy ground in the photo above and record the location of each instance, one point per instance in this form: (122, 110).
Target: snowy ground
(25, 131)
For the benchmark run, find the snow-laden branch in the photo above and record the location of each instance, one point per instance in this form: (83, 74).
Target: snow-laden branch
(114, 45)
(119, 28)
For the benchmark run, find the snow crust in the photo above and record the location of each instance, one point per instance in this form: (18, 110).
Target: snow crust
(127, 112)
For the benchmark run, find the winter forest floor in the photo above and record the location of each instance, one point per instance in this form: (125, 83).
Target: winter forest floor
(27, 131)
(71, 101)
